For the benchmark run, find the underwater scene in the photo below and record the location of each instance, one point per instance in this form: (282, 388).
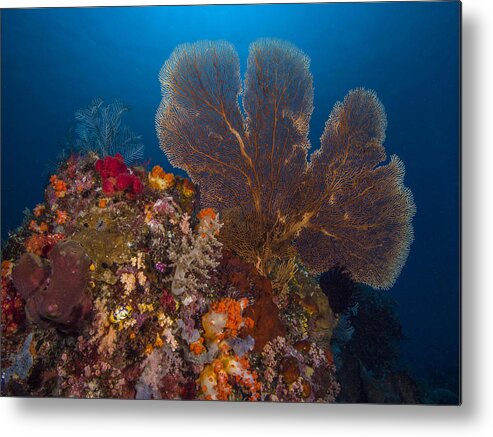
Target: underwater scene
(236, 203)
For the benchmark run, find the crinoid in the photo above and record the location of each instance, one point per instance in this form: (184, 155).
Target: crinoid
(340, 206)
(339, 288)
(99, 129)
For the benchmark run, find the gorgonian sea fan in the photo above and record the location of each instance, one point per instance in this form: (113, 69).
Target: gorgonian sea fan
(341, 207)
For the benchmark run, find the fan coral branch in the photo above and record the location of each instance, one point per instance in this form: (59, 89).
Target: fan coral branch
(342, 207)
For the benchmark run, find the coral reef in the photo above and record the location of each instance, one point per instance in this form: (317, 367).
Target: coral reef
(21, 362)
(342, 207)
(194, 254)
(135, 283)
(302, 371)
(248, 283)
(13, 315)
(129, 294)
(227, 373)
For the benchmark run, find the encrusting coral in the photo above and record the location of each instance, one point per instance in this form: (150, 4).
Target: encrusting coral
(340, 207)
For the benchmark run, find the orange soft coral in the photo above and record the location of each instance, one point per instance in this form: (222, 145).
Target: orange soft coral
(206, 213)
(227, 373)
(148, 212)
(225, 318)
(41, 244)
(197, 347)
(158, 342)
(59, 186)
(206, 217)
(160, 180)
(7, 267)
(61, 217)
(41, 228)
(219, 378)
(39, 209)
(33, 225)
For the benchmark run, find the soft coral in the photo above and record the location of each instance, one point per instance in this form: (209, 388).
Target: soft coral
(117, 177)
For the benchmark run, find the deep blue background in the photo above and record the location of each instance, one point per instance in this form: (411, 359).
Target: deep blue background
(55, 61)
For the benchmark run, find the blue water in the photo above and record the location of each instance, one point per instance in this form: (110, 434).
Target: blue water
(55, 61)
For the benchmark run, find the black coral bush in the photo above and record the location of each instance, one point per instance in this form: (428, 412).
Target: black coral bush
(99, 129)
(341, 206)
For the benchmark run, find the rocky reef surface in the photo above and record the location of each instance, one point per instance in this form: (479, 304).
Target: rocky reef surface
(117, 286)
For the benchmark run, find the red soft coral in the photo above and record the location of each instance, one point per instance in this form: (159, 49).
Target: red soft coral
(111, 166)
(109, 186)
(124, 181)
(117, 177)
(137, 186)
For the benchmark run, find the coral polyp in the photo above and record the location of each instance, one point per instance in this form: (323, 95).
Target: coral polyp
(339, 205)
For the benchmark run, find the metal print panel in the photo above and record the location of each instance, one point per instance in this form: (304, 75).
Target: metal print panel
(236, 203)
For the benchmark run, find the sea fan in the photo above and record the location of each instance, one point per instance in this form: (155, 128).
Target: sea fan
(343, 207)
(99, 128)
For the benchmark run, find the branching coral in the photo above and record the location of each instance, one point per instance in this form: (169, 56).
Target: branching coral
(194, 254)
(342, 206)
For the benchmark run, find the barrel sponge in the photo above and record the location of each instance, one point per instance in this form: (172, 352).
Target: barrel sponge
(59, 298)
(28, 275)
